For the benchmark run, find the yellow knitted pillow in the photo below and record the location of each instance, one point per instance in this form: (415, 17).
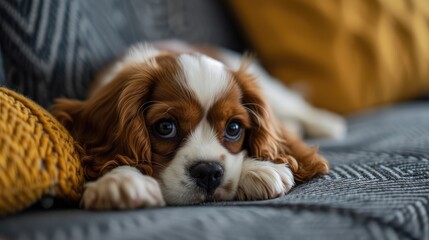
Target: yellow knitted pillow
(346, 55)
(37, 155)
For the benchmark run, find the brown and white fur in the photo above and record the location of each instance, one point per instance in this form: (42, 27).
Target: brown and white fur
(157, 130)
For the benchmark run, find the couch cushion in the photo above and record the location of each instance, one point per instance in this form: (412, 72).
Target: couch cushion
(37, 155)
(54, 48)
(2, 78)
(344, 56)
(378, 189)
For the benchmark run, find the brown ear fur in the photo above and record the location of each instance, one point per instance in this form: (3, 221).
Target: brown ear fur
(269, 140)
(109, 127)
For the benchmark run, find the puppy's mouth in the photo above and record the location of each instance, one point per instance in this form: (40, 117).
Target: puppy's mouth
(225, 192)
(201, 181)
(204, 197)
(190, 193)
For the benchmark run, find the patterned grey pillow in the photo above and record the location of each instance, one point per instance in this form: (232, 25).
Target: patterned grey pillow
(2, 80)
(54, 48)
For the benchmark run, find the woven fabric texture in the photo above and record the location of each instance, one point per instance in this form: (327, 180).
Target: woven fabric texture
(2, 78)
(54, 48)
(378, 189)
(37, 155)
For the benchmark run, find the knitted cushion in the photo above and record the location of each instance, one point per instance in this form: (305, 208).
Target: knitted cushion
(37, 155)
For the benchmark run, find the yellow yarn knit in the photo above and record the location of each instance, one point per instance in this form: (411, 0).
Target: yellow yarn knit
(37, 155)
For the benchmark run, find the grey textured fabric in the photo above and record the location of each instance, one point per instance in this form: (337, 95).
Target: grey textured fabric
(54, 48)
(378, 189)
(2, 78)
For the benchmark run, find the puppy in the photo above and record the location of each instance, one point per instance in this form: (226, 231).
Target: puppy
(170, 127)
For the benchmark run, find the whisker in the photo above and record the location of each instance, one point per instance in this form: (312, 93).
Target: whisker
(159, 164)
(168, 109)
(258, 118)
(257, 105)
(213, 137)
(148, 104)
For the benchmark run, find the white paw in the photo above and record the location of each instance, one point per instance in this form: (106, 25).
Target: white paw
(122, 188)
(261, 180)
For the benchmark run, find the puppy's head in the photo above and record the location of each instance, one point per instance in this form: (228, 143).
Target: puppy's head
(185, 119)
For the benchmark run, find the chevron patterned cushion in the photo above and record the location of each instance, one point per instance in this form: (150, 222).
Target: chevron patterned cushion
(53, 48)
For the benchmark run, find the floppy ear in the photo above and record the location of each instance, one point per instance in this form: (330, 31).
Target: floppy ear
(109, 127)
(269, 140)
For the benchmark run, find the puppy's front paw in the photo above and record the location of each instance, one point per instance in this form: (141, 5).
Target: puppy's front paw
(261, 180)
(122, 188)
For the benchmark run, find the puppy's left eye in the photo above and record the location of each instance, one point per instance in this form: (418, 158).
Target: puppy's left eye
(233, 131)
(165, 129)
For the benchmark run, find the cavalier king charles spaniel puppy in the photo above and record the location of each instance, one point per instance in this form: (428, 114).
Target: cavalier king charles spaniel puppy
(179, 127)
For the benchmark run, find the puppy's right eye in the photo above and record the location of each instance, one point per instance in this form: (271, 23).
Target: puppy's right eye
(165, 129)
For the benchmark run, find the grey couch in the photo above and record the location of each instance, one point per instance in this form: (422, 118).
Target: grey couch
(378, 187)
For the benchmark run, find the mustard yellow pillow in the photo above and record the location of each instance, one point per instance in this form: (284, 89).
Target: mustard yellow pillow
(37, 155)
(342, 55)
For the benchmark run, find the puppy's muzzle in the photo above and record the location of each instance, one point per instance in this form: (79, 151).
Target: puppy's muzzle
(207, 175)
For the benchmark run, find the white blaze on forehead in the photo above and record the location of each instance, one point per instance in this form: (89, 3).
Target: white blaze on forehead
(203, 144)
(205, 77)
(203, 133)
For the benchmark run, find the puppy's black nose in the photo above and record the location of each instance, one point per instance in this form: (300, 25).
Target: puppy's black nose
(207, 175)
